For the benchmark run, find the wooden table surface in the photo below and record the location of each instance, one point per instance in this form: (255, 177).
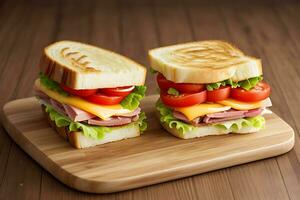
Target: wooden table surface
(267, 30)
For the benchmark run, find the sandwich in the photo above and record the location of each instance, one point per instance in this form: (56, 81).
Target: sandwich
(209, 88)
(89, 95)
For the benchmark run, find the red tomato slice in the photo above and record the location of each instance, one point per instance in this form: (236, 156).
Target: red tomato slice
(165, 84)
(218, 94)
(183, 100)
(260, 92)
(119, 91)
(81, 93)
(104, 99)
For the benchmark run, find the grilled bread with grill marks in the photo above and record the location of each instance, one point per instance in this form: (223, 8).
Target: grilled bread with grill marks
(83, 66)
(204, 62)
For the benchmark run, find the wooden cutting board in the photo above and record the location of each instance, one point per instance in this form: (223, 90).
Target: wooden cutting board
(154, 157)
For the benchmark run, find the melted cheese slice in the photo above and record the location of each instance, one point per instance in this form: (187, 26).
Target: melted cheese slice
(103, 112)
(191, 112)
(240, 105)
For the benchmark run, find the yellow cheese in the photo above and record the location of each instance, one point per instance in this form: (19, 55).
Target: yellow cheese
(240, 105)
(191, 112)
(101, 111)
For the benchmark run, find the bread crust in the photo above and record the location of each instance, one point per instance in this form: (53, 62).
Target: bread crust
(63, 131)
(204, 62)
(201, 131)
(82, 73)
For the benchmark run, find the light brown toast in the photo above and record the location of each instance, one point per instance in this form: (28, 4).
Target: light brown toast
(83, 66)
(204, 62)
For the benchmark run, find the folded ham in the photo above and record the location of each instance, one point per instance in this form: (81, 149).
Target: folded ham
(114, 121)
(218, 117)
(180, 116)
(230, 115)
(76, 114)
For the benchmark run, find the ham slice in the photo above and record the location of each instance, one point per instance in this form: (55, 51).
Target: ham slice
(114, 121)
(131, 114)
(230, 115)
(40, 94)
(180, 116)
(76, 114)
(253, 113)
(218, 117)
(208, 120)
(135, 118)
(57, 106)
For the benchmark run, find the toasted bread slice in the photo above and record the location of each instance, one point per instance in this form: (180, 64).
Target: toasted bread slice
(204, 62)
(205, 131)
(82, 66)
(79, 141)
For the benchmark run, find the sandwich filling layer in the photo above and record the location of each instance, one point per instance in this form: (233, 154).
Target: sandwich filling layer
(228, 121)
(230, 106)
(81, 114)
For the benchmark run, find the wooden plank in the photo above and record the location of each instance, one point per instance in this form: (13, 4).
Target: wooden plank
(26, 173)
(15, 66)
(74, 21)
(202, 23)
(45, 34)
(172, 24)
(21, 177)
(288, 18)
(289, 15)
(9, 32)
(138, 36)
(166, 158)
(105, 25)
(180, 189)
(52, 188)
(213, 185)
(5, 147)
(9, 13)
(257, 175)
(274, 54)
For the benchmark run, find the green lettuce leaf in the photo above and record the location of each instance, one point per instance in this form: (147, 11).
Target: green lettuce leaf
(142, 122)
(173, 91)
(250, 83)
(213, 86)
(132, 101)
(232, 83)
(94, 132)
(238, 125)
(257, 122)
(51, 84)
(167, 117)
(152, 71)
(245, 84)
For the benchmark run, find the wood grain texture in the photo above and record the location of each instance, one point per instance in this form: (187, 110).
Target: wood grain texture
(277, 47)
(212, 15)
(266, 29)
(18, 164)
(166, 158)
